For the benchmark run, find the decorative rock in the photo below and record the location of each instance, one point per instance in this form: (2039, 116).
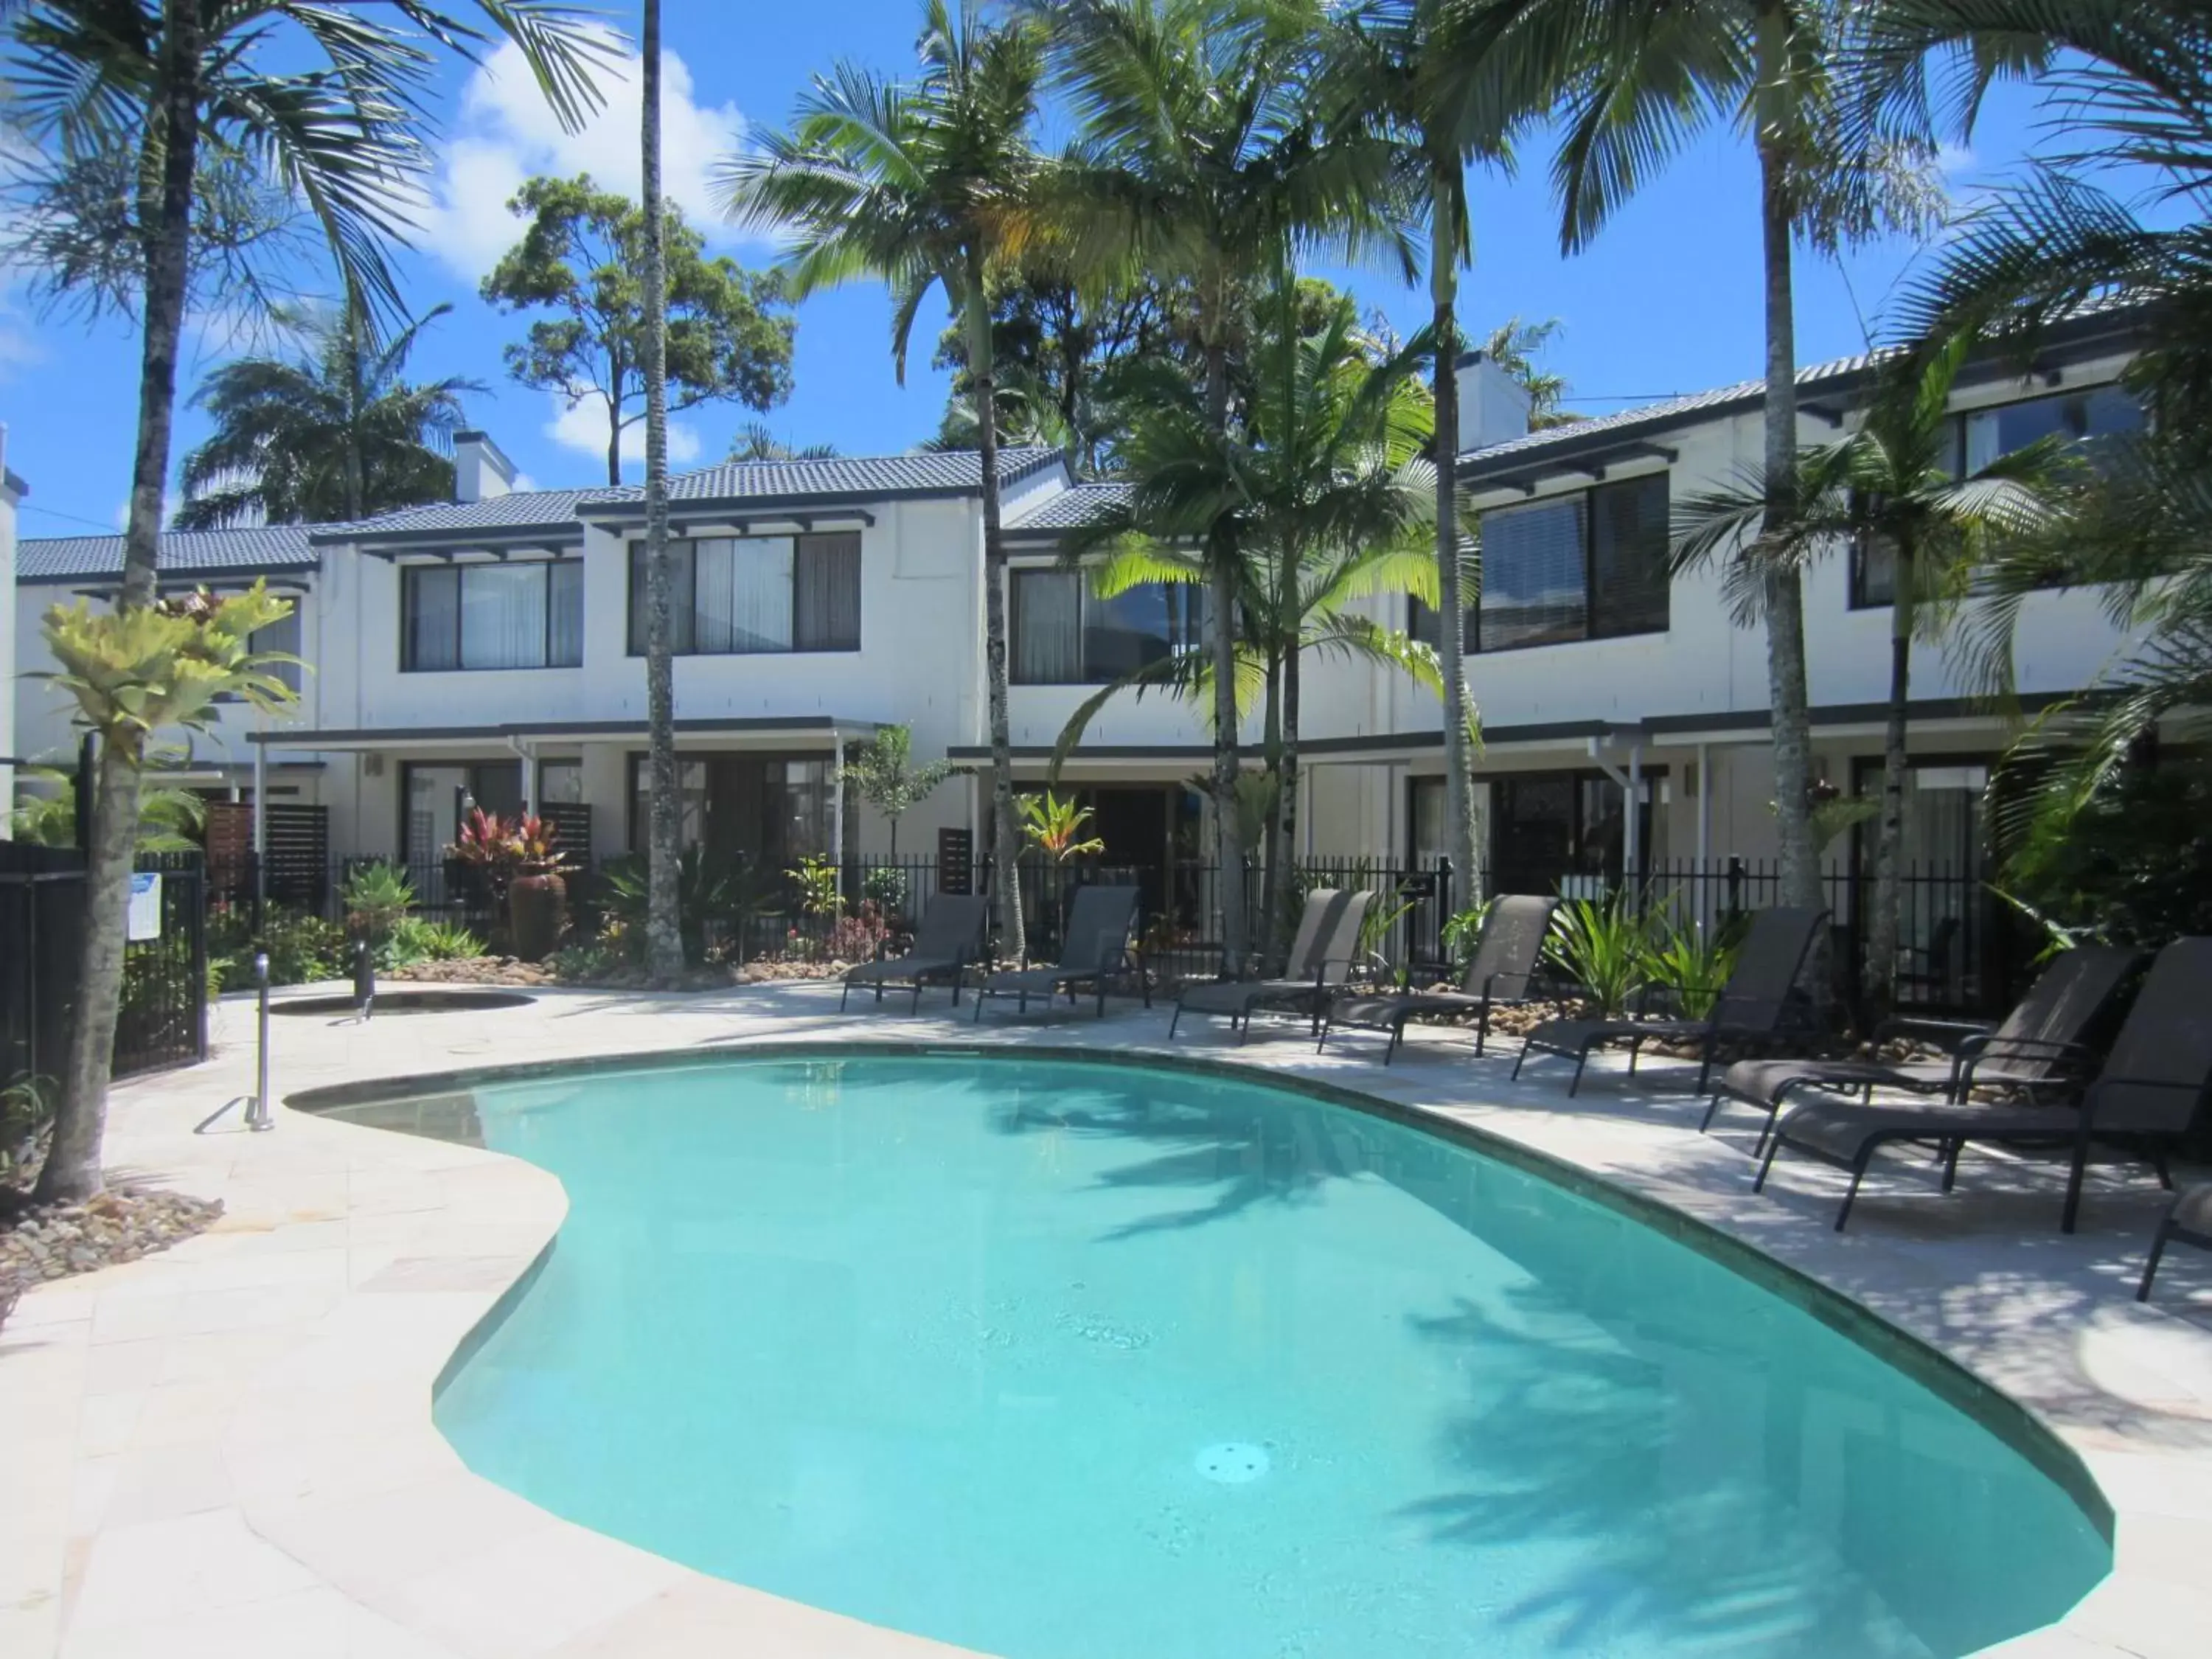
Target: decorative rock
(114, 1226)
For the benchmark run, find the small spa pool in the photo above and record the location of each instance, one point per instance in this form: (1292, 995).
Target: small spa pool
(1073, 1360)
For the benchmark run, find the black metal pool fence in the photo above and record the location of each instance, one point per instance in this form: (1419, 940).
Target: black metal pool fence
(1962, 951)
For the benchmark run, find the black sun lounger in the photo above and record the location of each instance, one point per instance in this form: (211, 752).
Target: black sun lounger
(1502, 972)
(2145, 1095)
(950, 939)
(1756, 1005)
(1322, 953)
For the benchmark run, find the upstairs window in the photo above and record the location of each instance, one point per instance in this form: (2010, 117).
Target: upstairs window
(755, 595)
(1587, 566)
(1981, 436)
(492, 616)
(1066, 635)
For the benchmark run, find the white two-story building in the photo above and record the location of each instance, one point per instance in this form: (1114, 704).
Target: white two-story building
(489, 651)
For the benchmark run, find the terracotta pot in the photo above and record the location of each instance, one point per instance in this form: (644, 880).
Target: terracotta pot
(536, 911)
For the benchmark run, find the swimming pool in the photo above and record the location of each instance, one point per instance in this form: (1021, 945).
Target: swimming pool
(1066, 1359)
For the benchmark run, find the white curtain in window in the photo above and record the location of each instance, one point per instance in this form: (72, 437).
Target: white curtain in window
(284, 638)
(760, 604)
(713, 595)
(1047, 606)
(503, 615)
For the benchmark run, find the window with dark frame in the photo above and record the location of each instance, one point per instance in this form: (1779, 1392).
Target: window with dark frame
(1592, 564)
(1065, 634)
(1980, 436)
(519, 614)
(756, 595)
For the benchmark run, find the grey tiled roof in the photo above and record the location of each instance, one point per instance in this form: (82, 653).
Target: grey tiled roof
(529, 509)
(1673, 412)
(1067, 510)
(196, 552)
(857, 477)
(836, 477)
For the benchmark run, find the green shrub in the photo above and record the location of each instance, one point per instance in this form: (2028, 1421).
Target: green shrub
(416, 939)
(1463, 929)
(886, 887)
(301, 948)
(592, 959)
(377, 898)
(1602, 945)
(717, 893)
(1694, 963)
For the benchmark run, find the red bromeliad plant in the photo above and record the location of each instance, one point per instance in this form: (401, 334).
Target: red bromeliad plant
(495, 850)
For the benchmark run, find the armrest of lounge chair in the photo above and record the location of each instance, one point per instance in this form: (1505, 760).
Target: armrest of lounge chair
(1948, 1034)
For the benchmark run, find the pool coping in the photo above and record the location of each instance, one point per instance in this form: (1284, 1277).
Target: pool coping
(2015, 1425)
(342, 1503)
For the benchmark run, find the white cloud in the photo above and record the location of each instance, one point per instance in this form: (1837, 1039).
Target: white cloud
(505, 135)
(583, 428)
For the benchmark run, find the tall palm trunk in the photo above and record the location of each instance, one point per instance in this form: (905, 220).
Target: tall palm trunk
(663, 937)
(1005, 834)
(1273, 847)
(355, 479)
(1878, 973)
(1286, 801)
(1785, 591)
(1221, 556)
(1451, 604)
(72, 1169)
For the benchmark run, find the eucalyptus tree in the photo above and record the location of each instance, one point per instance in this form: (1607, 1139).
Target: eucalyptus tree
(1892, 492)
(1445, 83)
(1201, 162)
(1322, 483)
(927, 185)
(335, 431)
(1639, 82)
(152, 101)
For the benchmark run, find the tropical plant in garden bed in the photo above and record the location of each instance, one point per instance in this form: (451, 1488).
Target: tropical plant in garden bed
(1602, 947)
(158, 149)
(883, 771)
(376, 896)
(132, 673)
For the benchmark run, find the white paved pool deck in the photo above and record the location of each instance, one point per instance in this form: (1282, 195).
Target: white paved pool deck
(227, 1449)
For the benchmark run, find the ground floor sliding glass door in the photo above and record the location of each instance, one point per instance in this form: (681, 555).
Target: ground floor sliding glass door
(767, 809)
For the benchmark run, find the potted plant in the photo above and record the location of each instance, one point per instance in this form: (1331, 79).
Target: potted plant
(537, 888)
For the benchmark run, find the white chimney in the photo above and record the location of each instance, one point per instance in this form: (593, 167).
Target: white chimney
(1492, 405)
(480, 471)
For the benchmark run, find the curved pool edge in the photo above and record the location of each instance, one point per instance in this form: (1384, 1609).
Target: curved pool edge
(2013, 1422)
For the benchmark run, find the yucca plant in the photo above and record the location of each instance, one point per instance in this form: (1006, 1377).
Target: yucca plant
(1604, 946)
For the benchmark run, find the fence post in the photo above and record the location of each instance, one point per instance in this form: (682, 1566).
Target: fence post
(1444, 906)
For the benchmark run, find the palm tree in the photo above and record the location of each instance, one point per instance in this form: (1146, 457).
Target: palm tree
(1430, 75)
(1200, 162)
(169, 94)
(923, 186)
(1892, 490)
(1322, 484)
(1640, 80)
(2132, 83)
(334, 433)
(664, 936)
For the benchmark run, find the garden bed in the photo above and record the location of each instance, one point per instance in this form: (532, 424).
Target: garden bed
(39, 1243)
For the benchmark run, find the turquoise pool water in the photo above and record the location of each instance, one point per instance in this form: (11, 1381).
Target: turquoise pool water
(1082, 1361)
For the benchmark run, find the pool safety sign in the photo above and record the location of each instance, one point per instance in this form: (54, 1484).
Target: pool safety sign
(145, 922)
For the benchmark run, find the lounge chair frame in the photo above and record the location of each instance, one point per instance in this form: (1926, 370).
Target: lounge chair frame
(1110, 961)
(1328, 932)
(1498, 976)
(918, 968)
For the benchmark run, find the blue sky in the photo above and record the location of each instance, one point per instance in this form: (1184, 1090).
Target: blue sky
(1666, 301)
